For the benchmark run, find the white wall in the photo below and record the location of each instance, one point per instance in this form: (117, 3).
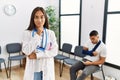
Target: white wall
(12, 27)
(92, 18)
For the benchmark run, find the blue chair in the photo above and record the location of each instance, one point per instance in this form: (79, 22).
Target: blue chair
(77, 52)
(3, 61)
(14, 48)
(66, 48)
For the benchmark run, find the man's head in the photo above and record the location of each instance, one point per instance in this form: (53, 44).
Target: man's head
(94, 36)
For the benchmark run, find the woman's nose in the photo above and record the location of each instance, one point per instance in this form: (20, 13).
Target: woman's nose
(40, 20)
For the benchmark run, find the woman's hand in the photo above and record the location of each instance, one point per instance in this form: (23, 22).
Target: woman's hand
(32, 56)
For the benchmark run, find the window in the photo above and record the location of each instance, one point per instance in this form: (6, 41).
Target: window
(70, 6)
(113, 5)
(113, 33)
(70, 22)
(113, 39)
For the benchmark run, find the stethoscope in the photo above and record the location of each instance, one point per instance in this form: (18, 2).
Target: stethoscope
(42, 47)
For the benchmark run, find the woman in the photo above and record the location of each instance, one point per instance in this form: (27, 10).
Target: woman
(40, 46)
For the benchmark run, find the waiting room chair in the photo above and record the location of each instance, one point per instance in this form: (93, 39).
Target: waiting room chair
(66, 48)
(77, 52)
(72, 61)
(13, 48)
(3, 61)
(100, 69)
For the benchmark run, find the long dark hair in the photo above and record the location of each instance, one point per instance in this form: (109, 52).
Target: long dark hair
(32, 24)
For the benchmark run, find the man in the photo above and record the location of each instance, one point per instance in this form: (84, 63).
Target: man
(92, 60)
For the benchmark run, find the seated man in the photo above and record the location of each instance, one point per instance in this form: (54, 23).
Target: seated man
(94, 57)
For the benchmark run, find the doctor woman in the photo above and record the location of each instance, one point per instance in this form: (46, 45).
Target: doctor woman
(40, 46)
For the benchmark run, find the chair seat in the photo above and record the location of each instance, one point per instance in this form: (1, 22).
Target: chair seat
(70, 61)
(19, 57)
(2, 60)
(60, 57)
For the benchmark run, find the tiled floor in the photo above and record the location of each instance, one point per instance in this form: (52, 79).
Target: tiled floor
(17, 73)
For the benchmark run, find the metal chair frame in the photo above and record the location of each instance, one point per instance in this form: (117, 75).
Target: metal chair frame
(71, 61)
(11, 49)
(3, 61)
(66, 48)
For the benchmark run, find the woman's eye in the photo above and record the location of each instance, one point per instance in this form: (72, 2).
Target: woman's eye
(42, 16)
(36, 17)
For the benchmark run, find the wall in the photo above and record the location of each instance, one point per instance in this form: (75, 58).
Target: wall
(12, 27)
(92, 18)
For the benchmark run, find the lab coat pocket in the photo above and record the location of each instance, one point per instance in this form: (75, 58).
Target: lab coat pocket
(38, 75)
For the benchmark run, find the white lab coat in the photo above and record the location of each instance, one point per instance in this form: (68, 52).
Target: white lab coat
(45, 60)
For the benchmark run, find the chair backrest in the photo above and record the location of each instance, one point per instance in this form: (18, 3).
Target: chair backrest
(13, 47)
(0, 49)
(66, 47)
(78, 51)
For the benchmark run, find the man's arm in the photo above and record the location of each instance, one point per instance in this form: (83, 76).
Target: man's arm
(93, 53)
(85, 48)
(100, 61)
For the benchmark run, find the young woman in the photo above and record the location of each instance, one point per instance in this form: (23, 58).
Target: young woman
(40, 46)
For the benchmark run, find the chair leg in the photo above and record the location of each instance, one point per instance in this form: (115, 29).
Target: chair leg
(103, 74)
(20, 64)
(60, 68)
(6, 69)
(10, 70)
(62, 64)
(92, 78)
(8, 65)
(0, 68)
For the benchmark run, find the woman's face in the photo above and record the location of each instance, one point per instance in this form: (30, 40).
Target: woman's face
(39, 19)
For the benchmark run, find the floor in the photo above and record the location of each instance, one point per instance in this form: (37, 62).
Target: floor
(17, 73)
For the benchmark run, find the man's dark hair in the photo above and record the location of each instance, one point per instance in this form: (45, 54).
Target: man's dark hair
(93, 33)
